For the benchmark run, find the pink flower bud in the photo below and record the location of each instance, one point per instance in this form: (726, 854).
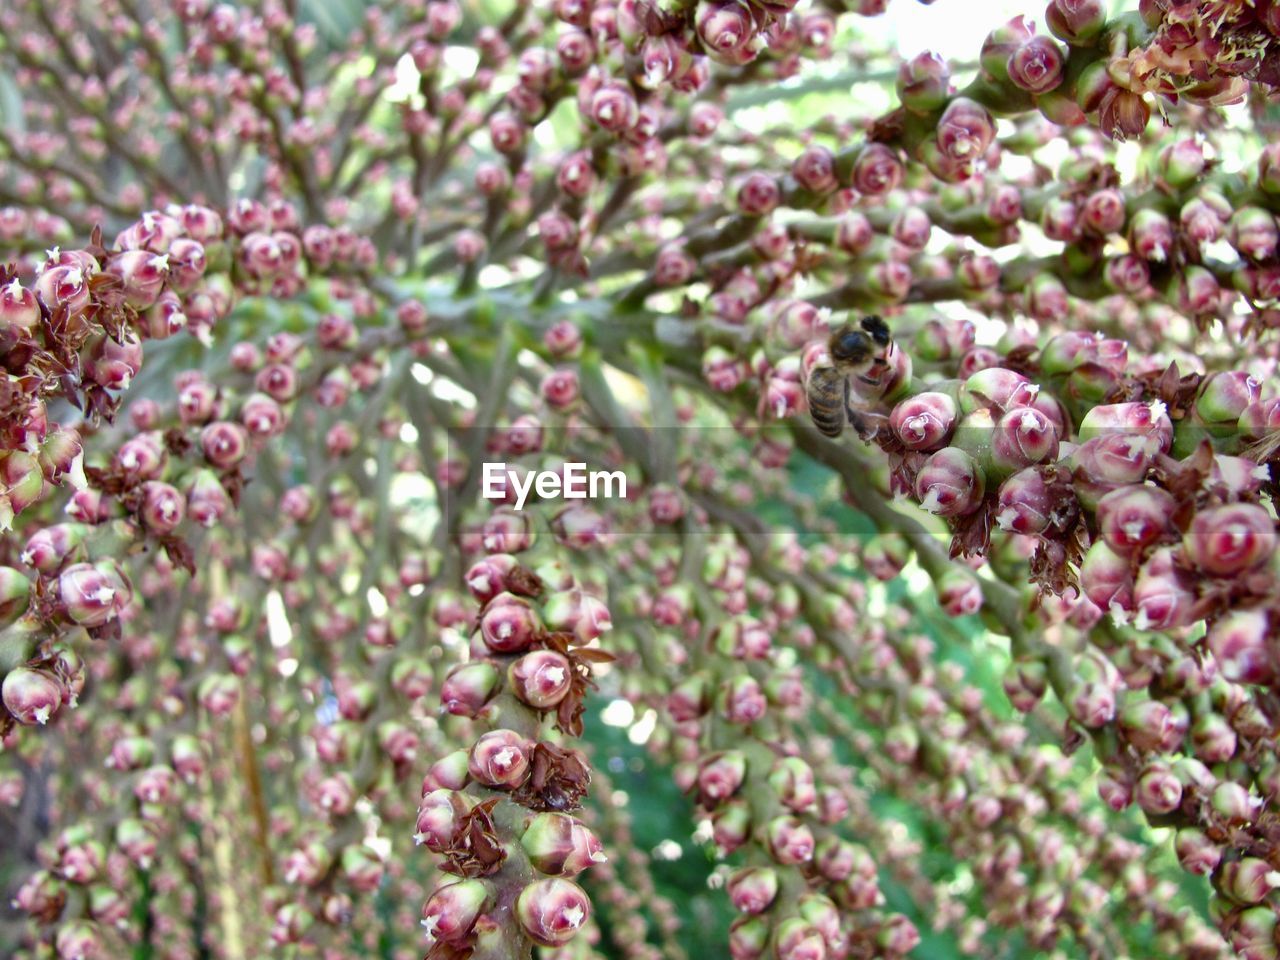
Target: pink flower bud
(224, 444)
(552, 911)
(876, 170)
(959, 593)
(163, 507)
(924, 421)
(727, 31)
(1238, 642)
(721, 776)
(752, 889)
(438, 817)
(950, 483)
(1248, 880)
(1158, 789)
(31, 696)
(1077, 22)
(758, 195)
(1036, 65)
(452, 909)
(1196, 852)
(1228, 540)
(541, 678)
(965, 130)
(18, 309)
(91, 594)
(559, 845)
(789, 840)
(815, 170)
(1023, 437)
(924, 83)
(500, 759)
(743, 701)
(1026, 503)
(1131, 518)
(468, 687)
(509, 624)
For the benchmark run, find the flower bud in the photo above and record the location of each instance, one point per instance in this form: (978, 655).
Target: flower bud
(1151, 235)
(509, 624)
(876, 170)
(950, 483)
(752, 889)
(789, 840)
(468, 687)
(1228, 540)
(1248, 880)
(1131, 518)
(1000, 45)
(552, 911)
(965, 130)
(500, 759)
(1158, 790)
(727, 32)
(559, 845)
(924, 83)
(31, 696)
(1225, 395)
(541, 678)
(91, 594)
(1196, 852)
(959, 593)
(1077, 22)
(451, 910)
(1036, 66)
(721, 776)
(1022, 438)
(163, 507)
(1238, 642)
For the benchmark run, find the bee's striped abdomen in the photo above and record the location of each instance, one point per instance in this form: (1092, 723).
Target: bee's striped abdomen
(827, 393)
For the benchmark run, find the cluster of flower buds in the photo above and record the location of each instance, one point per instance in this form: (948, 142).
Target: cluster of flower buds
(500, 813)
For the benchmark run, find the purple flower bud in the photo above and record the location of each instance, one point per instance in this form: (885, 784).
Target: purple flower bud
(1181, 163)
(1128, 419)
(1228, 540)
(815, 170)
(1146, 723)
(541, 678)
(91, 594)
(1127, 274)
(924, 421)
(31, 696)
(1196, 852)
(965, 130)
(552, 911)
(1158, 790)
(509, 624)
(742, 701)
(876, 170)
(18, 309)
(1103, 212)
(1131, 518)
(1225, 395)
(1253, 232)
(1023, 437)
(752, 889)
(793, 781)
(721, 776)
(789, 840)
(450, 772)
(1151, 235)
(163, 507)
(500, 759)
(468, 687)
(978, 272)
(1248, 880)
(438, 817)
(452, 909)
(1026, 503)
(950, 483)
(1036, 65)
(1106, 578)
(924, 83)
(1077, 22)
(559, 845)
(758, 195)
(959, 593)
(1238, 642)
(1000, 45)
(727, 31)
(798, 940)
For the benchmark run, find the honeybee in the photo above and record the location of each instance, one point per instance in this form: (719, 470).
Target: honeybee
(855, 352)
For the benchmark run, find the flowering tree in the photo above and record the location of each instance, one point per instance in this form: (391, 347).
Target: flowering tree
(936, 573)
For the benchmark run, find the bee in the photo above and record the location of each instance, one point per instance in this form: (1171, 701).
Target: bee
(860, 352)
